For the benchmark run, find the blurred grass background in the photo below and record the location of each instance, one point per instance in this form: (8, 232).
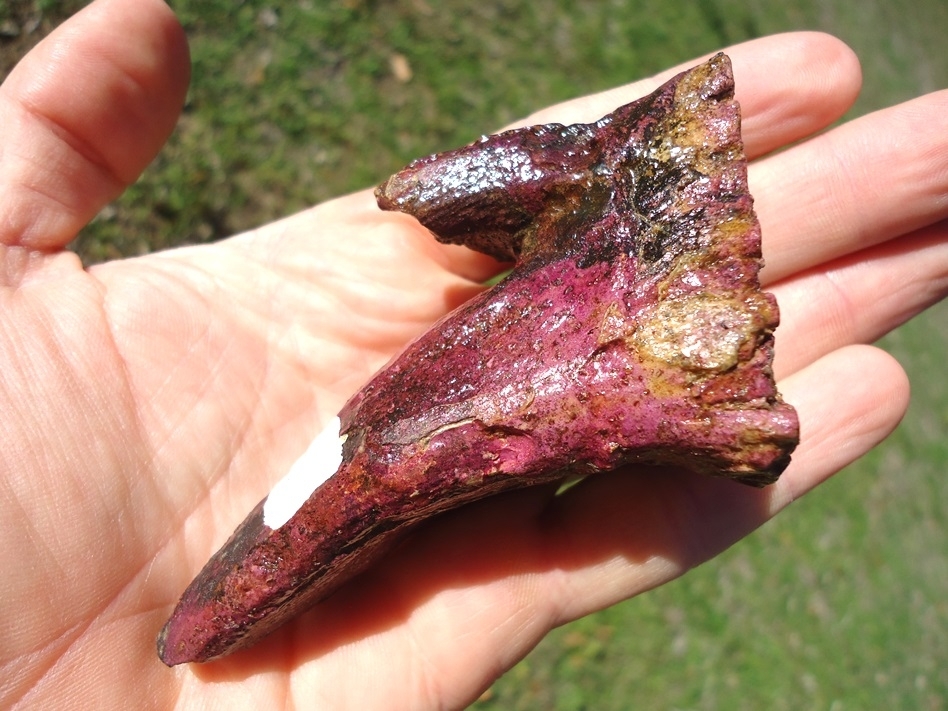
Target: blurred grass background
(842, 602)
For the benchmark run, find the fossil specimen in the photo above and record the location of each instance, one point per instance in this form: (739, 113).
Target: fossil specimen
(631, 330)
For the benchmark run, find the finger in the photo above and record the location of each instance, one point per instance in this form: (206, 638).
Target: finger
(789, 86)
(83, 114)
(625, 534)
(870, 180)
(859, 298)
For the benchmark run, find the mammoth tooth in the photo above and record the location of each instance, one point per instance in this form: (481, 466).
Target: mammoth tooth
(632, 329)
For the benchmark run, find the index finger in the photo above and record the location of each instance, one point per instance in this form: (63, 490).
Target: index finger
(789, 86)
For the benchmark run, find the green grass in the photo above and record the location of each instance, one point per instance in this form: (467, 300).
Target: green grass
(838, 604)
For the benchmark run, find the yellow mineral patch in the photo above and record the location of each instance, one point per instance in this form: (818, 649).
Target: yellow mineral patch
(698, 332)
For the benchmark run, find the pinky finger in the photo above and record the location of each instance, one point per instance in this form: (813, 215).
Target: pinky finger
(849, 401)
(621, 535)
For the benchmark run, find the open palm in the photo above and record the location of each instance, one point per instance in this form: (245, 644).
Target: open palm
(148, 404)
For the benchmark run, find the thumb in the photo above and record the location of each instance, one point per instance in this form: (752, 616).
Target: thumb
(83, 114)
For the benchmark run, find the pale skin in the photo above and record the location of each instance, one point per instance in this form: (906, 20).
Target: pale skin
(149, 404)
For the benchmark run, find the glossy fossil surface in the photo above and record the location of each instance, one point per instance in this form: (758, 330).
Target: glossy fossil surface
(631, 330)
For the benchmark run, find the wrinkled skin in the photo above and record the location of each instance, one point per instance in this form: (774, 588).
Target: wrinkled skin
(150, 403)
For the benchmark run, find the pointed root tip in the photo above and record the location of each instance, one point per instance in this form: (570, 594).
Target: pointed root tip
(164, 651)
(173, 648)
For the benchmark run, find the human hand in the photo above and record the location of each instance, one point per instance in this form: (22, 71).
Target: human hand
(150, 403)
